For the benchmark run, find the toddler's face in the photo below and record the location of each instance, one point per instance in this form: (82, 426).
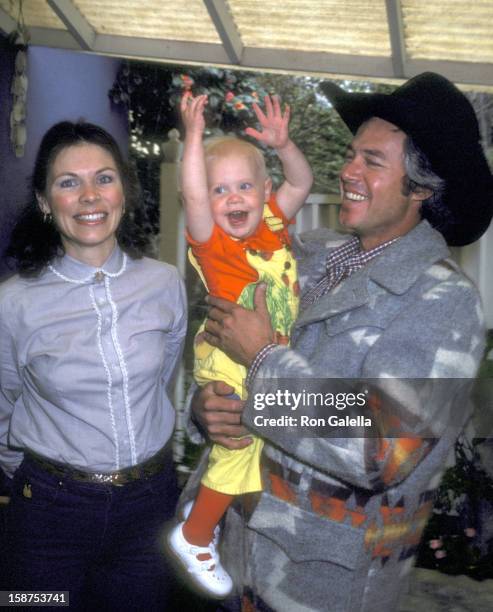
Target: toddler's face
(237, 192)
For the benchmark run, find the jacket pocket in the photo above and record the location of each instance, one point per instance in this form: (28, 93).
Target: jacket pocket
(369, 322)
(304, 536)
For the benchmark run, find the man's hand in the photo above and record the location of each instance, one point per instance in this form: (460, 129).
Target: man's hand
(274, 124)
(192, 113)
(220, 415)
(238, 332)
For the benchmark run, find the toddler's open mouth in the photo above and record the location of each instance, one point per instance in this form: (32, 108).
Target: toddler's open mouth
(237, 217)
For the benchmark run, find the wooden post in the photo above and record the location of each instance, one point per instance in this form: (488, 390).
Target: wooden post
(171, 236)
(475, 259)
(172, 249)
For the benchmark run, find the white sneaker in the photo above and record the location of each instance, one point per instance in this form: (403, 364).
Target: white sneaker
(185, 511)
(209, 575)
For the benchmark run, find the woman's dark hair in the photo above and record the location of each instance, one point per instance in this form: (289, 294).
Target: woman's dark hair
(34, 241)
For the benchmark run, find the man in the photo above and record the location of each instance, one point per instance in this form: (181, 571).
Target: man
(340, 519)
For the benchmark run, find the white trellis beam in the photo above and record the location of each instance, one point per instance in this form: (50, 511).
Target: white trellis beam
(75, 22)
(397, 41)
(7, 24)
(226, 28)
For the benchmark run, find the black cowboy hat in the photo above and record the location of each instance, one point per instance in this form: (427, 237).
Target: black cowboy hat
(442, 124)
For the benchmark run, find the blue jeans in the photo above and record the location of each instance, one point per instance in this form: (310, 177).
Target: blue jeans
(102, 543)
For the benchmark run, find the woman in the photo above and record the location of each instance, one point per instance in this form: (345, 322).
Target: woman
(90, 335)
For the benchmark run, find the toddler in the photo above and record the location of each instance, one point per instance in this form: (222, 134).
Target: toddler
(237, 229)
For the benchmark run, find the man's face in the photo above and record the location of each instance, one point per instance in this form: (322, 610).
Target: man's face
(371, 181)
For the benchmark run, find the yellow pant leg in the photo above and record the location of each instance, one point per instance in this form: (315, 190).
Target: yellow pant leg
(234, 471)
(212, 364)
(229, 471)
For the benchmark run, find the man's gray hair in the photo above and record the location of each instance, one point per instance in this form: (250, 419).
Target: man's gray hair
(420, 175)
(419, 172)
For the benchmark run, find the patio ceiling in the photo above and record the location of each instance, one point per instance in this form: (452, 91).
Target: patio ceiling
(388, 39)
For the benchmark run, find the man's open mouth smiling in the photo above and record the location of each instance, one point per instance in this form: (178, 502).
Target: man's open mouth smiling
(355, 197)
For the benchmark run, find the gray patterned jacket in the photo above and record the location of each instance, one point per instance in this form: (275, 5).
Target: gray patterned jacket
(340, 519)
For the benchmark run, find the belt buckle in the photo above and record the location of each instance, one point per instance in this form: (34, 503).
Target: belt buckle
(123, 477)
(101, 478)
(114, 479)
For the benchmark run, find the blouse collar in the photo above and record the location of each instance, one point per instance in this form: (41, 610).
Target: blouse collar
(75, 271)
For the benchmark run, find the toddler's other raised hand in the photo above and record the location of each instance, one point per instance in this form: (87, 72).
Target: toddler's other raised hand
(275, 132)
(192, 113)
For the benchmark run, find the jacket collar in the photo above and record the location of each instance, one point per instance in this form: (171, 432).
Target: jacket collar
(396, 270)
(409, 256)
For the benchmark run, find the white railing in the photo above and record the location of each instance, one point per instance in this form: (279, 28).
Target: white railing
(320, 210)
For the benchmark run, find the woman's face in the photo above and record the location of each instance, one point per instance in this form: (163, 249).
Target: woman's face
(84, 193)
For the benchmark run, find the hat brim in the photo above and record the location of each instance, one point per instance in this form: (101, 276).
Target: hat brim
(356, 108)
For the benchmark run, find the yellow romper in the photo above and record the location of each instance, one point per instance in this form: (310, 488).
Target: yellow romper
(231, 269)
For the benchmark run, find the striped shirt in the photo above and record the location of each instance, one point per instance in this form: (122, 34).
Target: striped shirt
(340, 264)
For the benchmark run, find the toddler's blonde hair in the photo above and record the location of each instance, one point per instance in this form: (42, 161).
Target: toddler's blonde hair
(222, 146)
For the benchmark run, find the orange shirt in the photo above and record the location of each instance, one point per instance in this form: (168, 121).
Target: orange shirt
(223, 261)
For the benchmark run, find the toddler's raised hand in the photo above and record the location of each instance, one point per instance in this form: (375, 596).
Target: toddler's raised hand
(275, 132)
(192, 113)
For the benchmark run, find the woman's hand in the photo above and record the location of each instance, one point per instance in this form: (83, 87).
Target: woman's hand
(220, 415)
(239, 332)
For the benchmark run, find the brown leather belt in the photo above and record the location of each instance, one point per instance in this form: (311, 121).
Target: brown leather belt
(141, 471)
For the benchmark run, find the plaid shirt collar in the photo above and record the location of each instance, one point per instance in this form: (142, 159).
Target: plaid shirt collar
(340, 264)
